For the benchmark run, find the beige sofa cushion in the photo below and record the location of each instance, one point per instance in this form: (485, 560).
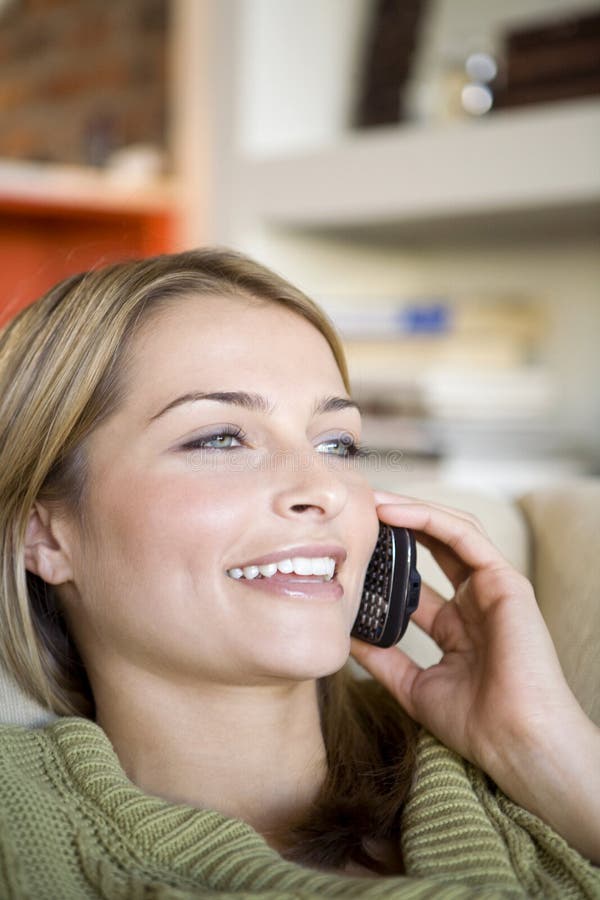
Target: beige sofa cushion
(565, 524)
(17, 708)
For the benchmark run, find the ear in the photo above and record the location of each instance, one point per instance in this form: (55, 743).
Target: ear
(46, 546)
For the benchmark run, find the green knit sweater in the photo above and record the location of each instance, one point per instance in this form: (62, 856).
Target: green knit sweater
(73, 826)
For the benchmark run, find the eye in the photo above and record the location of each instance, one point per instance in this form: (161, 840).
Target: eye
(344, 446)
(221, 440)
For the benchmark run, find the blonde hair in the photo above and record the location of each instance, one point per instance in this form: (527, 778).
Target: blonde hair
(63, 366)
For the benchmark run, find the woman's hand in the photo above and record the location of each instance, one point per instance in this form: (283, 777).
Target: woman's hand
(498, 696)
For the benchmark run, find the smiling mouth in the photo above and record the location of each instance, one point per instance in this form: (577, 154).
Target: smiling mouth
(311, 569)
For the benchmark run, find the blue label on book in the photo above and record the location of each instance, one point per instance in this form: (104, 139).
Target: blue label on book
(433, 318)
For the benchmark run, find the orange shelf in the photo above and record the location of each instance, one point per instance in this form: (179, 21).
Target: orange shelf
(56, 221)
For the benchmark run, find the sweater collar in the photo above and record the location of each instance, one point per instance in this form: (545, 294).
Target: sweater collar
(194, 843)
(204, 848)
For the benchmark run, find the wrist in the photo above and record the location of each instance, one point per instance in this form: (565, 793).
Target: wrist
(554, 772)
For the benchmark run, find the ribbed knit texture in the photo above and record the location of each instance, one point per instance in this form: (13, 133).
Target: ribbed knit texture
(73, 826)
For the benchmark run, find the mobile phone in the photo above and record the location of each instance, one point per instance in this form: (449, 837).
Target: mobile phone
(391, 588)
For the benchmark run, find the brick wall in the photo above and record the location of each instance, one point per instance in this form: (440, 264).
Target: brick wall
(81, 78)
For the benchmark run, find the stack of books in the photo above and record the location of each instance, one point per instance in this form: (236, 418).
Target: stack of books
(556, 60)
(439, 376)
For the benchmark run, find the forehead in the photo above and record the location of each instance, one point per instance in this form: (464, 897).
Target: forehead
(226, 339)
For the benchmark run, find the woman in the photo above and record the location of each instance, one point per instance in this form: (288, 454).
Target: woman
(167, 426)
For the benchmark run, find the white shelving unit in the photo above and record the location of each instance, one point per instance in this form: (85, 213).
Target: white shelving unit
(475, 171)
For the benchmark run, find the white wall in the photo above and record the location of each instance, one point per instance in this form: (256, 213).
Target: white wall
(297, 68)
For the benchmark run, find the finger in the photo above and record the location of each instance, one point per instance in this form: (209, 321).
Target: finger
(389, 497)
(442, 621)
(472, 547)
(430, 604)
(391, 667)
(453, 568)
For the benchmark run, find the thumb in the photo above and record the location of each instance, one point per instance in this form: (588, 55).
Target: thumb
(392, 668)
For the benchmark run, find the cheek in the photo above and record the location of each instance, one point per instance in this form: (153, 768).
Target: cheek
(157, 541)
(363, 537)
(171, 517)
(365, 521)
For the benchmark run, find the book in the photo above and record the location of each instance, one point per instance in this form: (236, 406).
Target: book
(547, 92)
(561, 30)
(576, 59)
(556, 60)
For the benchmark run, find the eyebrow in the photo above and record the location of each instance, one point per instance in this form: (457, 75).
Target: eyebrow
(254, 402)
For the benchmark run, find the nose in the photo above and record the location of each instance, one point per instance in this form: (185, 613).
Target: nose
(309, 487)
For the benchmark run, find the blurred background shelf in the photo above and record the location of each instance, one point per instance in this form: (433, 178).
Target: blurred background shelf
(59, 219)
(497, 172)
(63, 187)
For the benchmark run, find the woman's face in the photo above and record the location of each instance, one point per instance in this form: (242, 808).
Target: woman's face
(169, 518)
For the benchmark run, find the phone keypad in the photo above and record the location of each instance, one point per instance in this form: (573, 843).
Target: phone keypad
(375, 599)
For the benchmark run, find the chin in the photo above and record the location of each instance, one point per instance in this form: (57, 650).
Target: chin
(311, 659)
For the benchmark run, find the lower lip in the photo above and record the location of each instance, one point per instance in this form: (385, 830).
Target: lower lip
(297, 586)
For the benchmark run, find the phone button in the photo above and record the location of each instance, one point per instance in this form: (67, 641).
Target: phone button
(414, 592)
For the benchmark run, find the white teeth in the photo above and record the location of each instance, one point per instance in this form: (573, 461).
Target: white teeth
(320, 566)
(329, 569)
(301, 565)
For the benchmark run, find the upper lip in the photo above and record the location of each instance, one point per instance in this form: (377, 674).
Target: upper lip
(334, 550)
